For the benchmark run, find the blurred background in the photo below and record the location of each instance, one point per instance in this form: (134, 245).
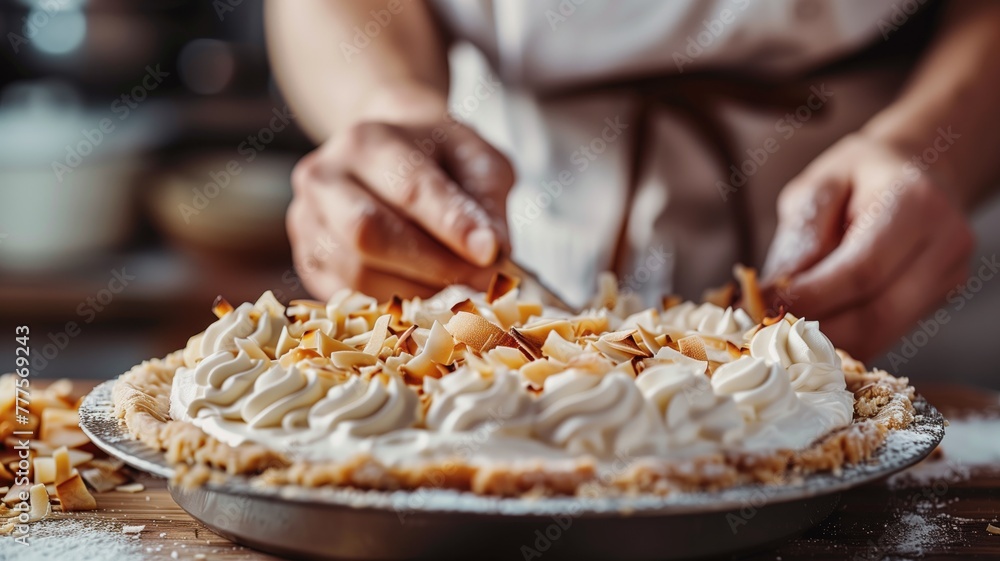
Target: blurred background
(144, 164)
(145, 155)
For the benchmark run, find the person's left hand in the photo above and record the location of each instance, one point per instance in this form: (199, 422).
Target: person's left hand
(869, 244)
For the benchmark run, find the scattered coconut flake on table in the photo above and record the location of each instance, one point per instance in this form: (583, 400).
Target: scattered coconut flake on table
(79, 540)
(133, 529)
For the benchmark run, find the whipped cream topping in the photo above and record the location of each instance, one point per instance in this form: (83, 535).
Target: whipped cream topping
(493, 377)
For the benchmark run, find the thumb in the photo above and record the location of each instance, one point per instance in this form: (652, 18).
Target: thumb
(811, 215)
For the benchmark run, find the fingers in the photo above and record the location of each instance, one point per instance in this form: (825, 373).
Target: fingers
(324, 269)
(380, 237)
(400, 172)
(481, 170)
(811, 214)
(908, 298)
(875, 251)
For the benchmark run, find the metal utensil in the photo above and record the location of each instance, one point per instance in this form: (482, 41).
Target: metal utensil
(532, 286)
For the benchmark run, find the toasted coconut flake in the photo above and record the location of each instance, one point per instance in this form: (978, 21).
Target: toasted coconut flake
(327, 345)
(753, 299)
(251, 348)
(38, 497)
(70, 438)
(648, 339)
(527, 346)
(692, 346)
(768, 321)
(285, 343)
(507, 356)
(73, 495)
(478, 333)
(500, 285)
(134, 487)
(505, 310)
(379, 332)
(466, 305)
(405, 343)
(54, 419)
(607, 291)
(297, 354)
(560, 349)
(993, 529)
(221, 307)
(638, 365)
(537, 371)
(14, 493)
(126, 529)
(620, 346)
(671, 300)
(62, 389)
(538, 332)
(102, 481)
(394, 307)
(44, 470)
(436, 351)
(63, 468)
(723, 296)
(591, 325)
(733, 350)
(527, 310)
(347, 360)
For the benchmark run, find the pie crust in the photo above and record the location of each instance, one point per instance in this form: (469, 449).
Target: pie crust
(142, 398)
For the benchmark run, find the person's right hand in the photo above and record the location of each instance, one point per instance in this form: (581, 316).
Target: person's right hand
(391, 209)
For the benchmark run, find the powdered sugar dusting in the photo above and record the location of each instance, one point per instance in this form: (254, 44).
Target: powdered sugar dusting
(970, 444)
(79, 540)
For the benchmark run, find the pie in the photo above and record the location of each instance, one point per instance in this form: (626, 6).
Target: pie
(495, 394)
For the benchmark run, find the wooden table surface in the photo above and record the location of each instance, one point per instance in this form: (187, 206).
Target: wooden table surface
(948, 514)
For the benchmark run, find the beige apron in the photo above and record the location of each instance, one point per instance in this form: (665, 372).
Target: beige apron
(662, 169)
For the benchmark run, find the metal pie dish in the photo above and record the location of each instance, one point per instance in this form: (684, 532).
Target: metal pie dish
(345, 523)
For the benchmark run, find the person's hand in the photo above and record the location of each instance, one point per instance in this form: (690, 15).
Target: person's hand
(867, 243)
(391, 209)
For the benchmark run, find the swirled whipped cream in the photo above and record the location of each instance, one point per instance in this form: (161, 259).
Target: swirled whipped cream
(493, 377)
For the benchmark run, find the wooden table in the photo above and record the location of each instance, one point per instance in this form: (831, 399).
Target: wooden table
(872, 522)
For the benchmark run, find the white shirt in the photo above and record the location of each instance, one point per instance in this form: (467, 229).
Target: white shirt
(641, 189)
